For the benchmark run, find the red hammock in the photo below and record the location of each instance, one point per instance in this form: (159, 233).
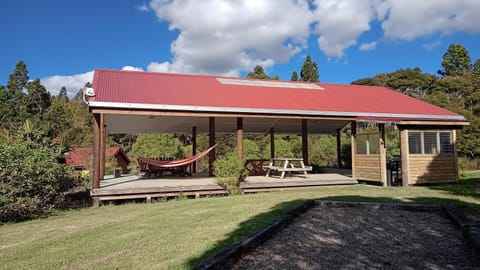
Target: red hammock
(174, 163)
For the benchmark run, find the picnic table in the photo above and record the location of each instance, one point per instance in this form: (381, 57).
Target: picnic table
(287, 165)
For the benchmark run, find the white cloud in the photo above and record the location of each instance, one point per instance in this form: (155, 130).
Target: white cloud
(411, 19)
(143, 7)
(226, 37)
(432, 45)
(368, 46)
(73, 83)
(132, 68)
(340, 22)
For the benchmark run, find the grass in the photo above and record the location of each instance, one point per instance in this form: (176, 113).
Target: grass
(180, 234)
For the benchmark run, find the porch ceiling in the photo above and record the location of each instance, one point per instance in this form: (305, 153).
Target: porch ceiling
(183, 124)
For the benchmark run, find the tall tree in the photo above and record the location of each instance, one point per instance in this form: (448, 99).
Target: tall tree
(38, 98)
(294, 76)
(258, 73)
(309, 72)
(476, 67)
(456, 61)
(63, 93)
(15, 107)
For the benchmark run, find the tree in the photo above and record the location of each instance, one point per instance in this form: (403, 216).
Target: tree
(309, 72)
(258, 73)
(456, 61)
(38, 98)
(63, 93)
(294, 76)
(157, 146)
(15, 106)
(476, 67)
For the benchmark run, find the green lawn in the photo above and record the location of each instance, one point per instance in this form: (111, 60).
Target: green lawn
(180, 234)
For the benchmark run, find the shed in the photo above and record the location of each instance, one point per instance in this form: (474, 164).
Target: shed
(148, 102)
(81, 158)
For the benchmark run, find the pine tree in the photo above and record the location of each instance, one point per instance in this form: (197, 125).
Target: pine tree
(63, 93)
(258, 73)
(15, 108)
(309, 72)
(38, 98)
(294, 76)
(456, 61)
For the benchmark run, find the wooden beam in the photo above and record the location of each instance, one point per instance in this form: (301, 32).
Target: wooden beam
(454, 149)
(339, 148)
(240, 139)
(353, 126)
(226, 115)
(96, 152)
(211, 142)
(305, 141)
(435, 123)
(383, 154)
(103, 142)
(194, 148)
(272, 142)
(404, 153)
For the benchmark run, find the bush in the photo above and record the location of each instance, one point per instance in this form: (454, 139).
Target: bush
(228, 172)
(31, 179)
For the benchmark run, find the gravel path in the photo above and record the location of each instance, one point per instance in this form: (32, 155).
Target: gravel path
(359, 238)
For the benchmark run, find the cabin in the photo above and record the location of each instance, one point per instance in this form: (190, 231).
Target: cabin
(81, 158)
(148, 102)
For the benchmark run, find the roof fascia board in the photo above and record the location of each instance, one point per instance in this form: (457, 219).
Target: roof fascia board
(165, 107)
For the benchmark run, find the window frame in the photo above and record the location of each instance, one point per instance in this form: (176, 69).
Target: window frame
(438, 148)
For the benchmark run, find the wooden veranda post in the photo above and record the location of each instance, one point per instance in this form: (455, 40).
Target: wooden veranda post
(383, 154)
(211, 142)
(194, 148)
(240, 139)
(103, 142)
(305, 141)
(339, 148)
(404, 153)
(353, 126)
(96, 152)
(272, 142)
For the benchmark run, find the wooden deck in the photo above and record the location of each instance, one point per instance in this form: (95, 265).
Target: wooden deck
(139, 187)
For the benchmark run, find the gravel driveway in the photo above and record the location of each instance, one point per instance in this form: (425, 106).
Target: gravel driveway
(360, 238)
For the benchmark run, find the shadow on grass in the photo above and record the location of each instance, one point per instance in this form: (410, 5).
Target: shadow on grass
(468, 187)
(256, 223)
(244, 230)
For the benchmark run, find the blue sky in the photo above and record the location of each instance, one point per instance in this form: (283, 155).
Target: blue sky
(62, 42)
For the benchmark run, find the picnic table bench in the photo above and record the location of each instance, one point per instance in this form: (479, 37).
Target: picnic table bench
(287, 165)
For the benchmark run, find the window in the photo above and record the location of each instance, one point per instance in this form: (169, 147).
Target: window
(362, 144)
(373, 143)
(430, 142)
(368, 144)
(446, 142)
(414, 143)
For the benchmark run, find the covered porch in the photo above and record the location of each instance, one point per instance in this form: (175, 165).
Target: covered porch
(200, 184)
(141, 102)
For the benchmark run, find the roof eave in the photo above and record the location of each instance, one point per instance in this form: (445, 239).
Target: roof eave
(388, 117)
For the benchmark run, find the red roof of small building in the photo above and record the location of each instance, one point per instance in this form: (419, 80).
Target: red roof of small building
(179, 92)
(82, 157)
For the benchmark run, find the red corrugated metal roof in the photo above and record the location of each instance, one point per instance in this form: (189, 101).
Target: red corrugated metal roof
(132, 89)
(82, 157)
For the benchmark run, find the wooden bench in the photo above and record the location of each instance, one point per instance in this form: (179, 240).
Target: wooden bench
(287, 167)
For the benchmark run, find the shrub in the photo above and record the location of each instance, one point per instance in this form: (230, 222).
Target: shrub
(228, 172)
(31, 179)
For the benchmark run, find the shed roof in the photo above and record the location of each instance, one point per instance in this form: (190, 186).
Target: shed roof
(151, 91)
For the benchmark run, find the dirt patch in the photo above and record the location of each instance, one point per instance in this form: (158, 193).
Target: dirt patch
(336, 237)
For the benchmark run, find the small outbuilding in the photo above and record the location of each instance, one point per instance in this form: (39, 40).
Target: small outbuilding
(81, 159)
(146, 102)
